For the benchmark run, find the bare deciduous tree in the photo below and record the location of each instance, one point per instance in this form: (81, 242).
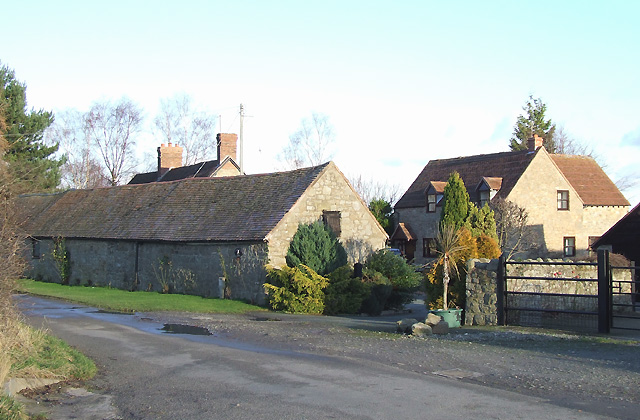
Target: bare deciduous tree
(81, 168)
(311, 144)
(369, 189)
(567, 145)
(113, 127)
(512, 227)
(181, 123)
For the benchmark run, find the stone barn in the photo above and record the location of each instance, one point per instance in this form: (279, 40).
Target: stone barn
(204, 236)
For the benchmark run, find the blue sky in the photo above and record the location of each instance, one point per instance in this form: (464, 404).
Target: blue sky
(402, 82)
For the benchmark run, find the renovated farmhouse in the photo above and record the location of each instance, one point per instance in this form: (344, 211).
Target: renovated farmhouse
(569, 199)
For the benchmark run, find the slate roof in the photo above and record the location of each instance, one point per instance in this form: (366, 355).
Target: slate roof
(197, 170)
(506, 165)
(591, 183)
(238, 208)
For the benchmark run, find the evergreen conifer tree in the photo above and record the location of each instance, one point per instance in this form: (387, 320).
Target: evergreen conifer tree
(315, 246)
(533, 123)
(30, 160)
(455, 207)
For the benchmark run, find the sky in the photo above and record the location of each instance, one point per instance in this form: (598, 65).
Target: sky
(402, 82)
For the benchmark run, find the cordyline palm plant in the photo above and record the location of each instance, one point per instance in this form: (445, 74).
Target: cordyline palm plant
(449, 246)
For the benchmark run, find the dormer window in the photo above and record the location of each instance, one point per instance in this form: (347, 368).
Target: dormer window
(434, 193)
(487, 188)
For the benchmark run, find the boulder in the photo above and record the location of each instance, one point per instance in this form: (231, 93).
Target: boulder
(404, 325)
(433, 319)
(441, 327)
(421, 330)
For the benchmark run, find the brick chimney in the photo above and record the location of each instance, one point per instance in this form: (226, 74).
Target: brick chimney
(534, 143)
(227, 144)
(169, 156)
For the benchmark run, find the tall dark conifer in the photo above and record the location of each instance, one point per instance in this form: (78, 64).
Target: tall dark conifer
(31, 162)
(455, 207)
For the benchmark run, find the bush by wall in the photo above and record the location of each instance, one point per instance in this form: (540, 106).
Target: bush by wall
(345, 293)
(295, 290)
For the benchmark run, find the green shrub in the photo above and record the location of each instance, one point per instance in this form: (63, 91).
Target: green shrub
(395, 268)
(379, 289)
(295, 290)
(345, 293)
(315, 246)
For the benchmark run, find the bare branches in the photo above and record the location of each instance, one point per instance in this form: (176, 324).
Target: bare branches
(179, 122)
(113, 128)
(511, 225)
(370, 189)
(311, 144)
(82, 168)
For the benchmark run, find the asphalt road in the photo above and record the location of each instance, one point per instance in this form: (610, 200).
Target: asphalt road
(147, 374)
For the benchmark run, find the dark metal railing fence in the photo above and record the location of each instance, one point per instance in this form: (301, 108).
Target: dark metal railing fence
(596, 303)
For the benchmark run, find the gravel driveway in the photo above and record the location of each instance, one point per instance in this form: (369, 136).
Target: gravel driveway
(593, 373)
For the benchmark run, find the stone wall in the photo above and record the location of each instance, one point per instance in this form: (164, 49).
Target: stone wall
(175, 267)
(360, 232)
(481, 306)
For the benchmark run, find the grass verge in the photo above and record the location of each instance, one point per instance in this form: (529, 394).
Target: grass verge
(31, 353)
(124, 301)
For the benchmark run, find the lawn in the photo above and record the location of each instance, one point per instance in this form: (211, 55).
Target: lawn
(124, 301)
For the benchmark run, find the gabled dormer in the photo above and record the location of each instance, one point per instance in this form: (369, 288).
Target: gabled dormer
(487, 188)
(434, 193)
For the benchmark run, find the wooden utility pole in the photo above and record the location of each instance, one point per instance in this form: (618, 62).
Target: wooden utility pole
(241, 160)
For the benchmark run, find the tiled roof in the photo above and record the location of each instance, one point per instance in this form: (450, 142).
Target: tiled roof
(197, 170)
(144, 178)
(234, 208)
(589, 180)
(493, 182)
(403, 232)
(438, 186)
(507, 165)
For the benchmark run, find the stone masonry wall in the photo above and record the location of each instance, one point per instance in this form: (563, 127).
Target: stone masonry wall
(361, 234)
(176, 267)
(481, 292)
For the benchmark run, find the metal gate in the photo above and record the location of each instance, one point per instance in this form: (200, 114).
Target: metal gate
(624, 312)
(593, 304)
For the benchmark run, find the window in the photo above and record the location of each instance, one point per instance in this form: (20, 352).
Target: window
(431, 203)
(563, 200)
(569, 246)
(332, 219)
(484, 198)
(35, 249)
(429, 248)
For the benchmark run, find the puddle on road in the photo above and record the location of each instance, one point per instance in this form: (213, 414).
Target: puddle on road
(266, 319)
(184, 329)
(105, 311)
